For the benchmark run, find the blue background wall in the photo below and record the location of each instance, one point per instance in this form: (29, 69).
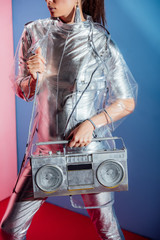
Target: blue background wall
(134, 26)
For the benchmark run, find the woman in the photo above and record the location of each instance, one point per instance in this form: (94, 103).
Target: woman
(84, 88)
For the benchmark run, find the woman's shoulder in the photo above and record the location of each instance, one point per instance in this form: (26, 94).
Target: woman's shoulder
(102, 33)
(99, 28)
(107, 41)
(38, 27)
(38, 24)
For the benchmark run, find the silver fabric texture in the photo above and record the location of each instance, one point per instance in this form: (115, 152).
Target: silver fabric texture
(104, 219)
(85, 72)
(21, 208)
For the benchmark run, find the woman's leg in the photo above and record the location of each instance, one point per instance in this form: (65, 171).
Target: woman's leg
(21, 208)
(104, 218)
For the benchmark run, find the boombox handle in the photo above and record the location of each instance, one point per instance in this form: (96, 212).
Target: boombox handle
(64, 142)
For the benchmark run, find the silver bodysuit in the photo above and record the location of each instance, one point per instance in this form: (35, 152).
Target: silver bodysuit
(85, 73)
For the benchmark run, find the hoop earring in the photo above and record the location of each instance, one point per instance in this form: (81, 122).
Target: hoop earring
(77, 18)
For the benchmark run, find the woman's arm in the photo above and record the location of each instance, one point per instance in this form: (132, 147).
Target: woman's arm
(82, 135)
(36, 63)
(121, 102)
(117, 110)
(27, 65)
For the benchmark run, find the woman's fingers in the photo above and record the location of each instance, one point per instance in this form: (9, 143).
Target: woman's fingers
(38, 67)
(38, 51)
(70, 135)
(74, 141)
(37, 56)
(36, 63)
(79, 142)
(36, 60)
(81, 136)
(34, 75)
(83, 144)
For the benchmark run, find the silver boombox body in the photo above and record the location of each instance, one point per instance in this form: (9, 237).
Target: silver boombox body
(63, 173)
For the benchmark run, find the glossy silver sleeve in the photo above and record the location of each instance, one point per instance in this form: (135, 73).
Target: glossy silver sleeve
(20, 72)
(123, 89)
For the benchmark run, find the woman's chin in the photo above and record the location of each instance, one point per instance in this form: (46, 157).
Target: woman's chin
(53, 15)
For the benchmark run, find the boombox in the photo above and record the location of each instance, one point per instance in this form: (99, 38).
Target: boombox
(64, 173)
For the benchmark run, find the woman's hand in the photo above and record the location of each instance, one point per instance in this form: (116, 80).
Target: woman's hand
(82, 135)
(36, 63)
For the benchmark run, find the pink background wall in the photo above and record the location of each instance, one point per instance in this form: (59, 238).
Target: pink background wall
(8, 155)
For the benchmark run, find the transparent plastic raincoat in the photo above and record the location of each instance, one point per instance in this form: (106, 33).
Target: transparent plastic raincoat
(85, 74)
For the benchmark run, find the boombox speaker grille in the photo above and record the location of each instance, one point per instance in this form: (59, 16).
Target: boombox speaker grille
(49, 178)
(110, 173)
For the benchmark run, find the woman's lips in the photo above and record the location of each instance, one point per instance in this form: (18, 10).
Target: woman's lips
(52, 9)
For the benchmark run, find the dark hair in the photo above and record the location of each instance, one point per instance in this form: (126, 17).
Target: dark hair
(95, 8)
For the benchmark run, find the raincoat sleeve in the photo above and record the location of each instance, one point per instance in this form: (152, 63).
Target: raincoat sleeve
(122, 88)
(22, 81)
